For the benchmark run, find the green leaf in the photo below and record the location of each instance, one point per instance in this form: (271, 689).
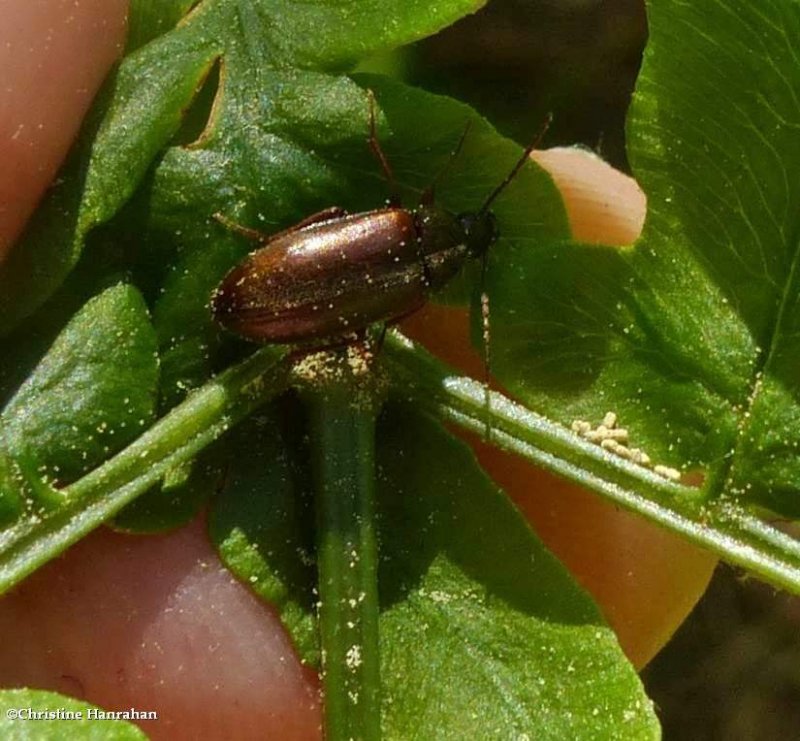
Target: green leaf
(75, 720)
(287, 30)
(11, 490)
(262, 523)
(148, 19)
(690, 335)
(501, 642)
(498, 639)
(92, 393)
(175, 500)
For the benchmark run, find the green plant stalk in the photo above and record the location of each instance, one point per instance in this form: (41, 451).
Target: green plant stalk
(739, 538)
(343, 455)
(176, 438)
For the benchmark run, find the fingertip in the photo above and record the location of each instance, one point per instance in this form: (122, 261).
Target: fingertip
(54, 54)
(604, 205)
(158, 623)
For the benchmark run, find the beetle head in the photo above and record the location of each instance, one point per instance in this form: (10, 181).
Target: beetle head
(480, 229)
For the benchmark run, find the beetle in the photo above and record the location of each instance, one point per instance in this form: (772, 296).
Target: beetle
(334, 274)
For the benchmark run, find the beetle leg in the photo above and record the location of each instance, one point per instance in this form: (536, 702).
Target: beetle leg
(243, 231)
(327, 214)
(375, 146)
(486, 336)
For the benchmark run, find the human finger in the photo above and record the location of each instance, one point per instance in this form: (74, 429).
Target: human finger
(53, 55)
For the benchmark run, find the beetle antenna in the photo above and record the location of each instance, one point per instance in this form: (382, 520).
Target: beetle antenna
(375, 146)
(517, 167)
(426, 199)
(486, 337)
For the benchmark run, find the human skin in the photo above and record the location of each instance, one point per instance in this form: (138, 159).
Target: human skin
(54, 54)
(157, 622)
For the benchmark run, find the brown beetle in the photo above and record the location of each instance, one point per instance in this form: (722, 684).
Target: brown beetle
(335, 274)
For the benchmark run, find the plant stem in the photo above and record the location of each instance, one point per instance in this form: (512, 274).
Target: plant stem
(176, 438)
(343, 455)
(730, 532)
(721, 526)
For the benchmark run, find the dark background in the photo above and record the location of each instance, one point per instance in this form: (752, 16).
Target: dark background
(732, 672)
(518, 60)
